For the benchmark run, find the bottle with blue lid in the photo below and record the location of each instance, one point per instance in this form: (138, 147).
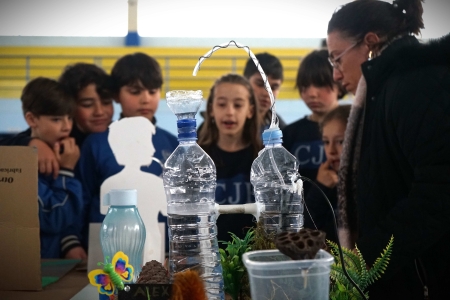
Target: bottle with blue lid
(190, 181)
(277, 185)
(123, 229)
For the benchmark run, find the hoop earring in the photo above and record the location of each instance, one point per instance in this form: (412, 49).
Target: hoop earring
(370, 55)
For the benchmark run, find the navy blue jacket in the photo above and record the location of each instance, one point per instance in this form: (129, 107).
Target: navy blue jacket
(60, 206)
(97, 163)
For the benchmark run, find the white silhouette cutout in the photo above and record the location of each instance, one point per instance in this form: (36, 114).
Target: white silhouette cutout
(131, 142)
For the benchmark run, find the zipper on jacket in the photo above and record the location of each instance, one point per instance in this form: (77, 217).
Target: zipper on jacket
(422, 277)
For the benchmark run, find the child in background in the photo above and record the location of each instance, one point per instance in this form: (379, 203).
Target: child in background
(49, 116)
(136, 85)
(318, 212)
(231, 136)
(274, 71)
(90, 86)
(320, 93)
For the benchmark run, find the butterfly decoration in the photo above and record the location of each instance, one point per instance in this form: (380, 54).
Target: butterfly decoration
(113, 275)
(106, 297)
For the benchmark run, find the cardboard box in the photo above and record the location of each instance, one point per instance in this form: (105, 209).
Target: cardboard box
(19, 219)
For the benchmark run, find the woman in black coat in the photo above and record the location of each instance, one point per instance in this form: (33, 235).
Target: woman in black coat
(395, 168)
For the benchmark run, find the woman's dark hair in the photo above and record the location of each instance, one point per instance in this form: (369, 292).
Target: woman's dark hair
(355, 19)
(315, 69)
(340, 113)
(78, 76)
(209, 133)
(136, 68)
(45, 97)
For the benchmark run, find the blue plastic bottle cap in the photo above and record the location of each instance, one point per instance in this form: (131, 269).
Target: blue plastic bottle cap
(122, 197)
(272, 136)
(187, 129)
(183, 123)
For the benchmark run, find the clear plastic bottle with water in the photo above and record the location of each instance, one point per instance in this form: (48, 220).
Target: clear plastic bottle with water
(277, 186)
(190, 182)
(123, 229)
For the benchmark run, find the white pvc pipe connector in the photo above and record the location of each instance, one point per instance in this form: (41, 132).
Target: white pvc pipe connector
(248, 209)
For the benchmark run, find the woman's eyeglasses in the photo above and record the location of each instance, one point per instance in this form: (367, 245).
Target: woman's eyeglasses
(336, 61)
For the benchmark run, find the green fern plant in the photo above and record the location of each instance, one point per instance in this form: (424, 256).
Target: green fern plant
(233, 269)
(341, 288)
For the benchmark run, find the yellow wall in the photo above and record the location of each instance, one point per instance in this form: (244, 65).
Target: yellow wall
(19, 64)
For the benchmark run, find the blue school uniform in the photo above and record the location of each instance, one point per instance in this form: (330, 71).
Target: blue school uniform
(303, 139)
(97, 163)
(233, 187)
(60, 206)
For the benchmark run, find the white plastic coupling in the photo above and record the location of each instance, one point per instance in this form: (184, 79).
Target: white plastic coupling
(248, 208)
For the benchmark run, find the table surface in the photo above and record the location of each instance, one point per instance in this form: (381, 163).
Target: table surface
(64, 289)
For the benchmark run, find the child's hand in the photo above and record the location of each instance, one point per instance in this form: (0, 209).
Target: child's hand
(76, 253)
(327, 176)
(47, 160)
(70, 154)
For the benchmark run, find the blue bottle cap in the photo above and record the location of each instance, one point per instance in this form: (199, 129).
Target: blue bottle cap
(272, 136)
(187, 129)
(122, 197)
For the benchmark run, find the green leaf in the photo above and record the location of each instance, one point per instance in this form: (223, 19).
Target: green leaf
(341, 288)
(232, 265)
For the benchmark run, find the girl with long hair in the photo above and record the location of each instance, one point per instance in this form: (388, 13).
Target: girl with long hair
(230, 134)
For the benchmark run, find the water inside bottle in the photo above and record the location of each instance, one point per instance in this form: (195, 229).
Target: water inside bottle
(272, 174)
(190, 182)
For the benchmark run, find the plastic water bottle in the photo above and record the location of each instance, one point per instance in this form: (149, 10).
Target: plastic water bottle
(190, 181)
(123, 229)
(277, 186)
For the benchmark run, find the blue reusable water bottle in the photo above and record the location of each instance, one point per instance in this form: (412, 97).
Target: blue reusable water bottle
(123, 229)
